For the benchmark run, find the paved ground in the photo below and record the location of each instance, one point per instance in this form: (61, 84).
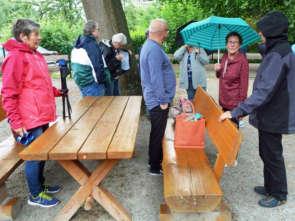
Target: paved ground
(141, 194)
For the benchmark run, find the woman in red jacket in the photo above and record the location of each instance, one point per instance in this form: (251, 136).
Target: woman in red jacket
(28, 99)
(233, 74)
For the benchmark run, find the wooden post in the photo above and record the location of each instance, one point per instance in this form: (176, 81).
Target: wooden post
(219, 167)
(7, 205)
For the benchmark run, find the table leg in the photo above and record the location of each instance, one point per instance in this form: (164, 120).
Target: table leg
(89, 186)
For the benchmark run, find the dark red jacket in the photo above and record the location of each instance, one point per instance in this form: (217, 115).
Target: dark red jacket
(27, 92)
(233, 81)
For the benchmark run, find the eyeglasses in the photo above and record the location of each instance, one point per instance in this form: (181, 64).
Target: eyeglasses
(233, 42)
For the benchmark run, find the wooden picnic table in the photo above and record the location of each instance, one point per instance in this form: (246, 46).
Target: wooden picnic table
(101, 128)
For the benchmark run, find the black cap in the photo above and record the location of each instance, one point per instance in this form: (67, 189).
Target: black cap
(273, 24)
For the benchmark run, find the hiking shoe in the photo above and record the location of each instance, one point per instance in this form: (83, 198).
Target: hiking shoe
(156, 172)
(260, 190)
(271, 202)
(43, 200)
(51, 189)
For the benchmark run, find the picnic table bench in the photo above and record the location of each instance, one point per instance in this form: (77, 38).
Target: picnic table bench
(101, 128)
(9, 161)
(191, 185)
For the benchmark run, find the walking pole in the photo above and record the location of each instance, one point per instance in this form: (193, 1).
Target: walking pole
(64, 72)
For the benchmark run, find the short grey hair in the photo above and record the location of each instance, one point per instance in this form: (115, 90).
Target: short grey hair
(155, 25)
(89, 27)
(119, 38)
(24, 26)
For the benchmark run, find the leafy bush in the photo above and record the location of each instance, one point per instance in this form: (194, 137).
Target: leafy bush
(138, 38)
(58, 35)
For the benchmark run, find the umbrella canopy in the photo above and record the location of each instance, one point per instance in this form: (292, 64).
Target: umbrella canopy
(210, 33)
(178, 38)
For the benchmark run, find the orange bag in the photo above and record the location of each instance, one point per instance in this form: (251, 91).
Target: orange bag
(189, 134)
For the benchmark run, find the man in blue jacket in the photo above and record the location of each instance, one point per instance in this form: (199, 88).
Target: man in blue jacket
(272, 106)
(87, 62)
(158, 85)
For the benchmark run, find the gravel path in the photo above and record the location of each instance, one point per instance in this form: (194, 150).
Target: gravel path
(141, 194)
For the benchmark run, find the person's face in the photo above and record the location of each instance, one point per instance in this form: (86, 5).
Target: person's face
(165, 32)
(96, 33)
(233, 44)
(263, 39)
(116, 45)
(33, 40)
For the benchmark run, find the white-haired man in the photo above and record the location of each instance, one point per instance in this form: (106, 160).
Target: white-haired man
(158, 85)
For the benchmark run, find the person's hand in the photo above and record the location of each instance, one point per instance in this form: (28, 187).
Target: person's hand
(217, 67)
(163, 106)
(63, 92)
(225, 115)
(119, 57)
(20, 131)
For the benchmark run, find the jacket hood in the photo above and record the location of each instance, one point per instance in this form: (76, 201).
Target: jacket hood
(273, 24)
(83, 39)
(14, 45)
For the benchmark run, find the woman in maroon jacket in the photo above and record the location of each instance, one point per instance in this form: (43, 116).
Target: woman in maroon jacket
(233, 74)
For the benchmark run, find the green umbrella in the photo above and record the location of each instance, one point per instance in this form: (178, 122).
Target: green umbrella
(210, 33)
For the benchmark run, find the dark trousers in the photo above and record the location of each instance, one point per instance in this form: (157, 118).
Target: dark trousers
(158, 120)
(274, 171)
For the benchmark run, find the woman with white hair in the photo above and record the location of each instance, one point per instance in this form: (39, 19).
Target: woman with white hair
(117, 61)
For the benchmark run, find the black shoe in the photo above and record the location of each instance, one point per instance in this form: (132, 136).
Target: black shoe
(260, 190)
(156, 172)
(271, 202)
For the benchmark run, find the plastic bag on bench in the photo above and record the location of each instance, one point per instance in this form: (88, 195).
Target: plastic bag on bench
(189, 131)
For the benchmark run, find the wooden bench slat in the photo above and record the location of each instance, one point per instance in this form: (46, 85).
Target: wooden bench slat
(68, 147)
(190, 184)
(225, 136)
(98, 141)
(122, 145)
(9, 159)
(40, 147)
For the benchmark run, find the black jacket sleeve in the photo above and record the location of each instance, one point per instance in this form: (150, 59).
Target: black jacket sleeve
(269, 76)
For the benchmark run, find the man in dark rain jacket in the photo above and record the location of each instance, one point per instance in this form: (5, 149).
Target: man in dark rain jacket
(272, 106)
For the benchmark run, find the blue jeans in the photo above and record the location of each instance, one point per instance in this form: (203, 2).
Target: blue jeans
(34, 169)
(93, 89)
(191, 91)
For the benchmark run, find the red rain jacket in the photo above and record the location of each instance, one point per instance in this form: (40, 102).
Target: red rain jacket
(27, 91)
(233, 81)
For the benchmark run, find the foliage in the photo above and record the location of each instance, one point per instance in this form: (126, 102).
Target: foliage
(176, 13)
(61, 20)
(58, 35)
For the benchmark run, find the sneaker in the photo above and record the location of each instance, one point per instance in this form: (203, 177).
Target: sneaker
(43, 200)
(51, 189)
(271, 202)
(260, 190)
(156, 172)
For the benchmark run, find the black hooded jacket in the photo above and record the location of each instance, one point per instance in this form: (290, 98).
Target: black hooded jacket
(272, 103)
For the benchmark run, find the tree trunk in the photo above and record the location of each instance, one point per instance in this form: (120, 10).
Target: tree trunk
(111, 19)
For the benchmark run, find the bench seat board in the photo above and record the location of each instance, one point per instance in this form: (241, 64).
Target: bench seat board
(190, 184)
(9, 159)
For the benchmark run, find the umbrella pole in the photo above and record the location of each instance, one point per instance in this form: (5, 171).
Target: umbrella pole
(218, 56)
